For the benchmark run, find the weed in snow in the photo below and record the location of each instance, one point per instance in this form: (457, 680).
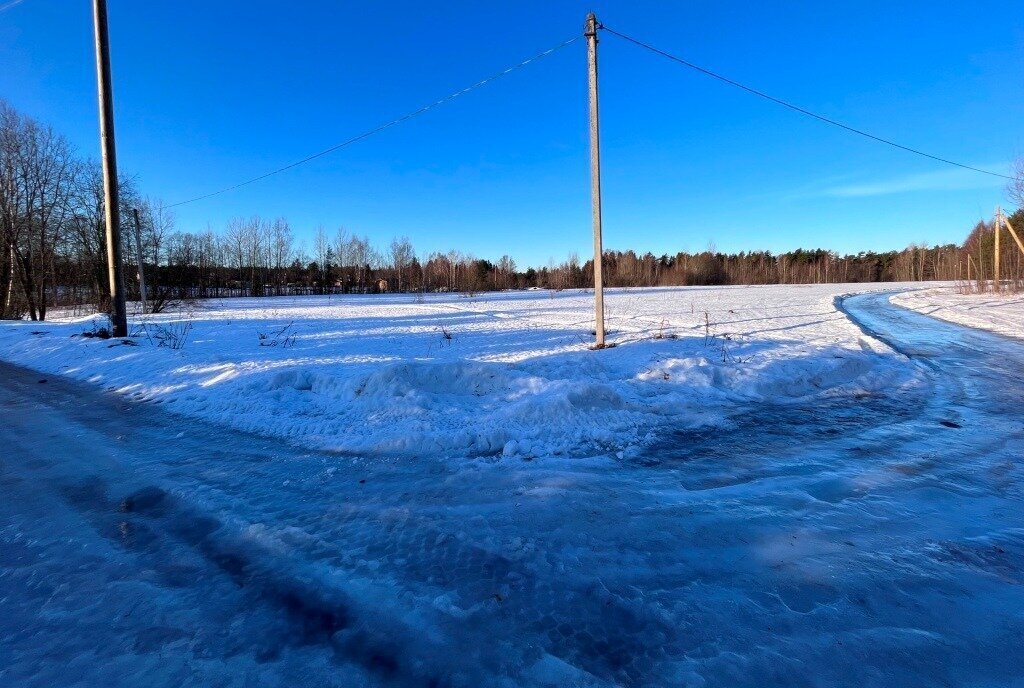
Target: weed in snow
(282, 337)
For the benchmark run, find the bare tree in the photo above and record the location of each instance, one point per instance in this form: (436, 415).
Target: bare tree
(38, 171)
(341, 253)
(281, 248)
(1015, 189)
(360, 255)
(160, 224)
(505, 273)
(402, 256)
(256, 233)
(322, 254)
(234, 245)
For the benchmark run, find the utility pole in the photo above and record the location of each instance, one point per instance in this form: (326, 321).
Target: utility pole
(595, 180)
(112, 215)
(997, 256)
(138, 251)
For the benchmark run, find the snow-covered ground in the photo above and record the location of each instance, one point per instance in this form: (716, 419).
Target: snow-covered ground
(498, 374)
(1002, 313)
(838, 530)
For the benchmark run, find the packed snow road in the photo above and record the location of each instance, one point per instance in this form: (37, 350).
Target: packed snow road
(869, 540)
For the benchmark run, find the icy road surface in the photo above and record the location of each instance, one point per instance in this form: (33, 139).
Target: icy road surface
(871, 541)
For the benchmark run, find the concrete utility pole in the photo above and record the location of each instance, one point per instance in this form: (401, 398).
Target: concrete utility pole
(138, 252)
(112, 215)
(595, 180)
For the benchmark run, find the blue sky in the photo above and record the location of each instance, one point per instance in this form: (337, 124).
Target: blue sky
(208, 94)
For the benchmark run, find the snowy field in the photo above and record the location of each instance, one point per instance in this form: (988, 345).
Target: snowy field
(494, 375)
(1003, 313)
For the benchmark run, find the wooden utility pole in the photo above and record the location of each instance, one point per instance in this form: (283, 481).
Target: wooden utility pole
(138, 252)
(595, 180)
(112, 215)
(1013, 233)
(996, 257)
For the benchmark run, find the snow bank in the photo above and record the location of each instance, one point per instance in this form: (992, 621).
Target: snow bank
(1000, 313)
(497, 375)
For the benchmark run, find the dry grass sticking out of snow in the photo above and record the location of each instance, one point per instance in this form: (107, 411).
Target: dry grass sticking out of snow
(1000, 313)
(506, 374)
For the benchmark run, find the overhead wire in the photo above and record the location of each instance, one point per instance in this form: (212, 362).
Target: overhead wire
(635, 41)
(796, 108)
(387, 125)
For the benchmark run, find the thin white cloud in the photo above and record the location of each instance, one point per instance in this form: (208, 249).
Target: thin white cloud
(940, 180)
(4, 8)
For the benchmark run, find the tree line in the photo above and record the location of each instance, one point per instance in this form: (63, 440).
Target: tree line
(979, 250)
(53, 253)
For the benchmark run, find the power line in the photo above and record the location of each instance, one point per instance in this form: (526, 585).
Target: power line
(376, 130)
(797, 108)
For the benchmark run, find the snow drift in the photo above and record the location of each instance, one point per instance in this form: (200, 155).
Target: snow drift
(507, 375)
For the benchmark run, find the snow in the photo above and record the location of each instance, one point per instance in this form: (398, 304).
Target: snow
(505, 374)
(836, 514)
(999, 313)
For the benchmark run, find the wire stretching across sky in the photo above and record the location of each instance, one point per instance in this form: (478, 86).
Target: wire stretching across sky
(387, 125)
(797, 108)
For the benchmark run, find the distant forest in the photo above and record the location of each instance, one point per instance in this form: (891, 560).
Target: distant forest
(53, 255)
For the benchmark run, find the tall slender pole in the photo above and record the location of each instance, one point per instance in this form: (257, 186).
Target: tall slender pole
(1009, 228)
(112, 215)
(138, 251)
(595, 180)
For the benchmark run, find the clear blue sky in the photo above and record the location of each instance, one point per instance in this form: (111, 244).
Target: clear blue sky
(210, 93)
